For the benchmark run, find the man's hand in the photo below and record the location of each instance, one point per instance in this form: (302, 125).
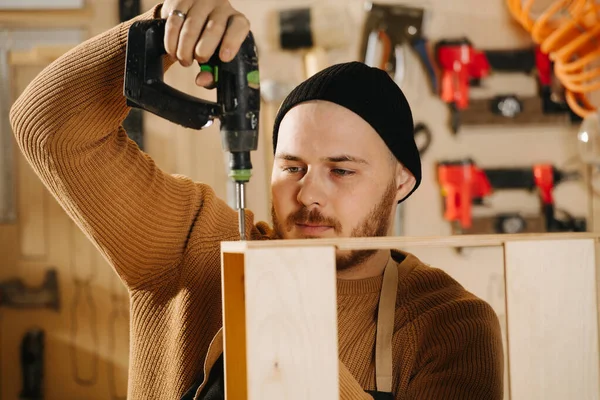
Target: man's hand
(195, 28)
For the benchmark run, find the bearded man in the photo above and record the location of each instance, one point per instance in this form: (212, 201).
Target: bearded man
(345, 156)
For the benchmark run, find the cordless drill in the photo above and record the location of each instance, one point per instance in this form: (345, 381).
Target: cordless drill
(237, 106)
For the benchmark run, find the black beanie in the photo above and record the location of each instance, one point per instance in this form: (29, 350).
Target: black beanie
(373, 95)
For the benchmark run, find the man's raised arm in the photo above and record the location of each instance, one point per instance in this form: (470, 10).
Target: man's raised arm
(68, 125)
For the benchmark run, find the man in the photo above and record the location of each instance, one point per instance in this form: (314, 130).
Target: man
(344, 157)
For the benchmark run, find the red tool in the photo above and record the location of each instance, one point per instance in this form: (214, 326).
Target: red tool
(464, 184)
(460, 63)
(462, 66)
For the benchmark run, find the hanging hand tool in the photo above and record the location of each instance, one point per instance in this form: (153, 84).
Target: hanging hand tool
(237, 106)
(422, 137)
(388, 31)
(460, 64)
(32, 364)
(464, 184)
(15, 294)
(463, 66)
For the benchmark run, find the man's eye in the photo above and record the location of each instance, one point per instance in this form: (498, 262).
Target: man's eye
(342, 172)
(292, 170)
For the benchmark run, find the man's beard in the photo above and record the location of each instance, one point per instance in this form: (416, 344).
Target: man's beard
(376, 223)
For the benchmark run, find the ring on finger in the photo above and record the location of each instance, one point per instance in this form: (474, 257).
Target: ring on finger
(178, 13)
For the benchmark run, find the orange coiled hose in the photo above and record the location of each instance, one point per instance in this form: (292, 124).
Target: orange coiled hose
(569, 32)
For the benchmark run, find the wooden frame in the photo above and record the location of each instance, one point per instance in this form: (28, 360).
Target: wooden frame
(276, 292)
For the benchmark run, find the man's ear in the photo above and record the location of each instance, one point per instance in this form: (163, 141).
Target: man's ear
(405, 182)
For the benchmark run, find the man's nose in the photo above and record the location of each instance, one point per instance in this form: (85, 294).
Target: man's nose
(311, 191)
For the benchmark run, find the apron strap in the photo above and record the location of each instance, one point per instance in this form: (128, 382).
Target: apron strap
(385, 327)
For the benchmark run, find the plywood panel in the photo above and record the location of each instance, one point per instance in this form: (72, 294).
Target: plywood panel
(234, 326)
(291, 322)
(552, 320)
(397, 242)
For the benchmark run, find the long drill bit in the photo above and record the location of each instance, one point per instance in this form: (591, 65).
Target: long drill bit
(241, 205)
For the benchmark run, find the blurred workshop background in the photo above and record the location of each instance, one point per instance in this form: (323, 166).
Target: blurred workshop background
(503, 152)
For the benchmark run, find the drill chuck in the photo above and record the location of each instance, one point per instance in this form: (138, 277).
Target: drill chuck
(240, 166)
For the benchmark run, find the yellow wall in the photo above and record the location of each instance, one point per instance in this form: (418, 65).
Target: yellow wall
(44, 237)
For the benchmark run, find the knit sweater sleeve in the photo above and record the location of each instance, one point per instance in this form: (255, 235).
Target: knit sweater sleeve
(349, 387)
(458, 349)
(68, 124)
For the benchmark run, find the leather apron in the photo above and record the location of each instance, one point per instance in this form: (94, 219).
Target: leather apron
(385, 330)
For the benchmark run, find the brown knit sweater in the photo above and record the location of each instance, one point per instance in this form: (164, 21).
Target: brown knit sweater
(162, 235)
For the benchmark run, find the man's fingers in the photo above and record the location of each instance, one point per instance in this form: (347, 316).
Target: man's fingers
(212, 34)
(194, 30)
(191, 31)
(175, 17)
(236, 33)
(205, 79)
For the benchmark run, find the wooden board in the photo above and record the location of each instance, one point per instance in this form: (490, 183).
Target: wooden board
(551, 302)
(395, 242)
(234, 326)
(291, 323)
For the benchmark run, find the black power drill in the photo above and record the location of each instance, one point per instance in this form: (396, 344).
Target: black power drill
(238, 97)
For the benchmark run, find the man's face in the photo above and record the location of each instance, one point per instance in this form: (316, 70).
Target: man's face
(333, 176)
